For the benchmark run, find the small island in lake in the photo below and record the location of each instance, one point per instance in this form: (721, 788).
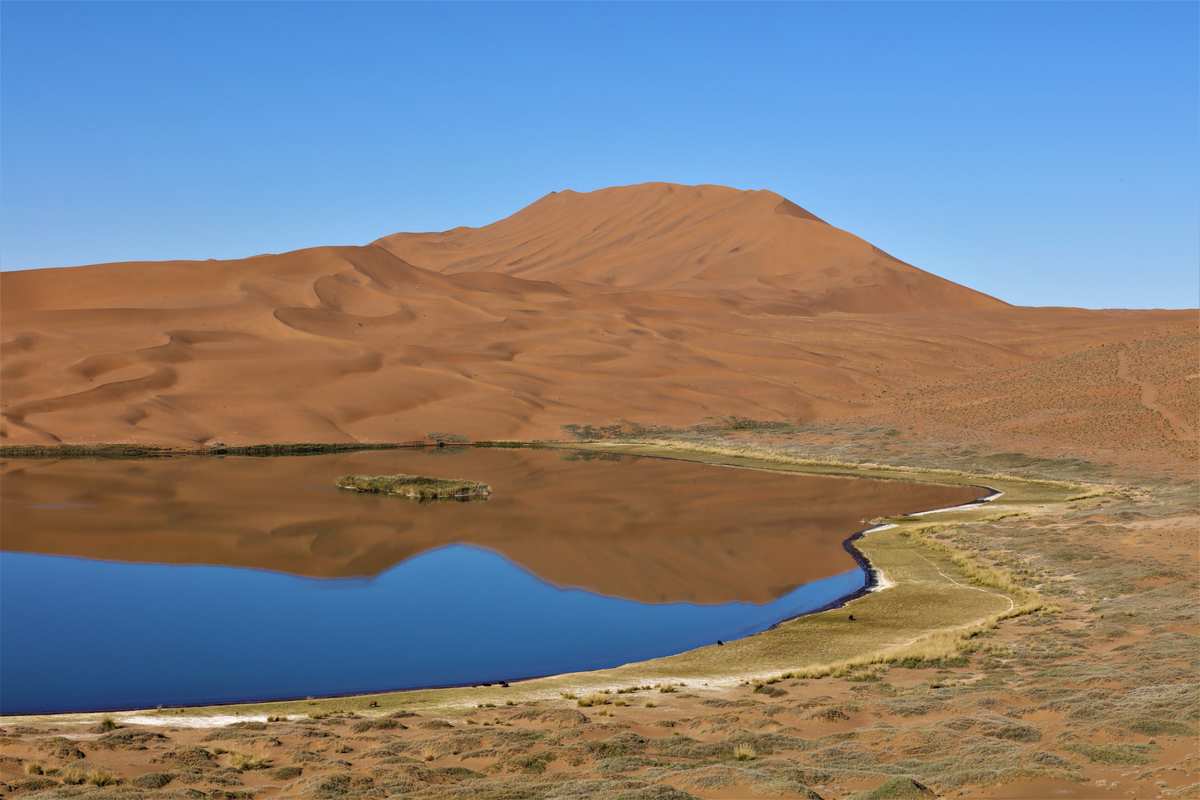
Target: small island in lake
(416, 487)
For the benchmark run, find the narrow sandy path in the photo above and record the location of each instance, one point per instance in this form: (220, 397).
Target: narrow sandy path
(965, 626)
(1179, 426)
(1011, 603)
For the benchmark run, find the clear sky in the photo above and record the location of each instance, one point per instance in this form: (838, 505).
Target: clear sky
(1045, 153)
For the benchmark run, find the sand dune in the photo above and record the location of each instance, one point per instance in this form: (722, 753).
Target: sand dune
(658, 304)
(663, 236)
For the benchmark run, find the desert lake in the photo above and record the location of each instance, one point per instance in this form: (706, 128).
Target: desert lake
(190, 580)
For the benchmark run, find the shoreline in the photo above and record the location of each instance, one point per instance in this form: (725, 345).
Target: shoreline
(122, 450)
(138, 451)
(872, 585)
(876, 580)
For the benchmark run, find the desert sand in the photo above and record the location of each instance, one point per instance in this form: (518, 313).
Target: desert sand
(654, 304)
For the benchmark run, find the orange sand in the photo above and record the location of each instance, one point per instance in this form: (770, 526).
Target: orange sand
(656, 303)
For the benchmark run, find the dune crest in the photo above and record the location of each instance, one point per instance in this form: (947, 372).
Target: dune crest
(661, 236)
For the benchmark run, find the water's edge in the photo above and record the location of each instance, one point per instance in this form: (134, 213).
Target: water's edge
(871, 583)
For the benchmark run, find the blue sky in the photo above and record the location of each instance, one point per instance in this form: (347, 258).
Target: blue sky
(1045, 153)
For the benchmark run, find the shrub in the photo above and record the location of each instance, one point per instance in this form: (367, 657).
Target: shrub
(744, 752)
(34, 784)
(533, 764)
(623, 744)
(153, 780)
(73, 775)
(898, 789)
(1111, 754)
(247, 761)
(385, 724)
(1161, 727)
(98, 777)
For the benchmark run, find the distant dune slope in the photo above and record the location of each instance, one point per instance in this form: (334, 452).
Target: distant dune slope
(655, 304)
(662, 236)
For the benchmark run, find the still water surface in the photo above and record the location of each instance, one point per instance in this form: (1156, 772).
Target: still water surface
(192, 580)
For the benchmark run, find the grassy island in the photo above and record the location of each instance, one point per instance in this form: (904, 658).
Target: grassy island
(416, 487)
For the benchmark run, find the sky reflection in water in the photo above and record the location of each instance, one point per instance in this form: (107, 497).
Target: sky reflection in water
(85, 634)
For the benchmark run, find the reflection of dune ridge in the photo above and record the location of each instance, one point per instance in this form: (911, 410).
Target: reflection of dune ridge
(646, 529)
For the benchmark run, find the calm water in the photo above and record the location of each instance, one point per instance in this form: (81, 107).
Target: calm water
(188, 581)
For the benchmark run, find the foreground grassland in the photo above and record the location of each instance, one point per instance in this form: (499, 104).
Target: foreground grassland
(1045, 644)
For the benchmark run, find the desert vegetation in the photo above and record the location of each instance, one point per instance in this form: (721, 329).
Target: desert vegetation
(213, 449)
(416, 487)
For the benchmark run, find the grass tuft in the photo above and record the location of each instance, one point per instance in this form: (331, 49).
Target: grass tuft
(106, 724)
(744, 751)
(248, 761)
(98, 777)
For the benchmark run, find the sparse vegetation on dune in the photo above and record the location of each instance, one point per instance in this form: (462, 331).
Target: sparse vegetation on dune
(215, 449)
(842, 444)
(897, 789)
(784, 454)
(744, 752)
(87, 451)
(594, 699)
(442, 439)
(248, 761)
(416, 487)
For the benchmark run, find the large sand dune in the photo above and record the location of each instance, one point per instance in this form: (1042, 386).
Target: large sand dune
(657, 304)
(694, 239)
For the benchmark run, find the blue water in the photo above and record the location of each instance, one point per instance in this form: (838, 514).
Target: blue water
(83, 634)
